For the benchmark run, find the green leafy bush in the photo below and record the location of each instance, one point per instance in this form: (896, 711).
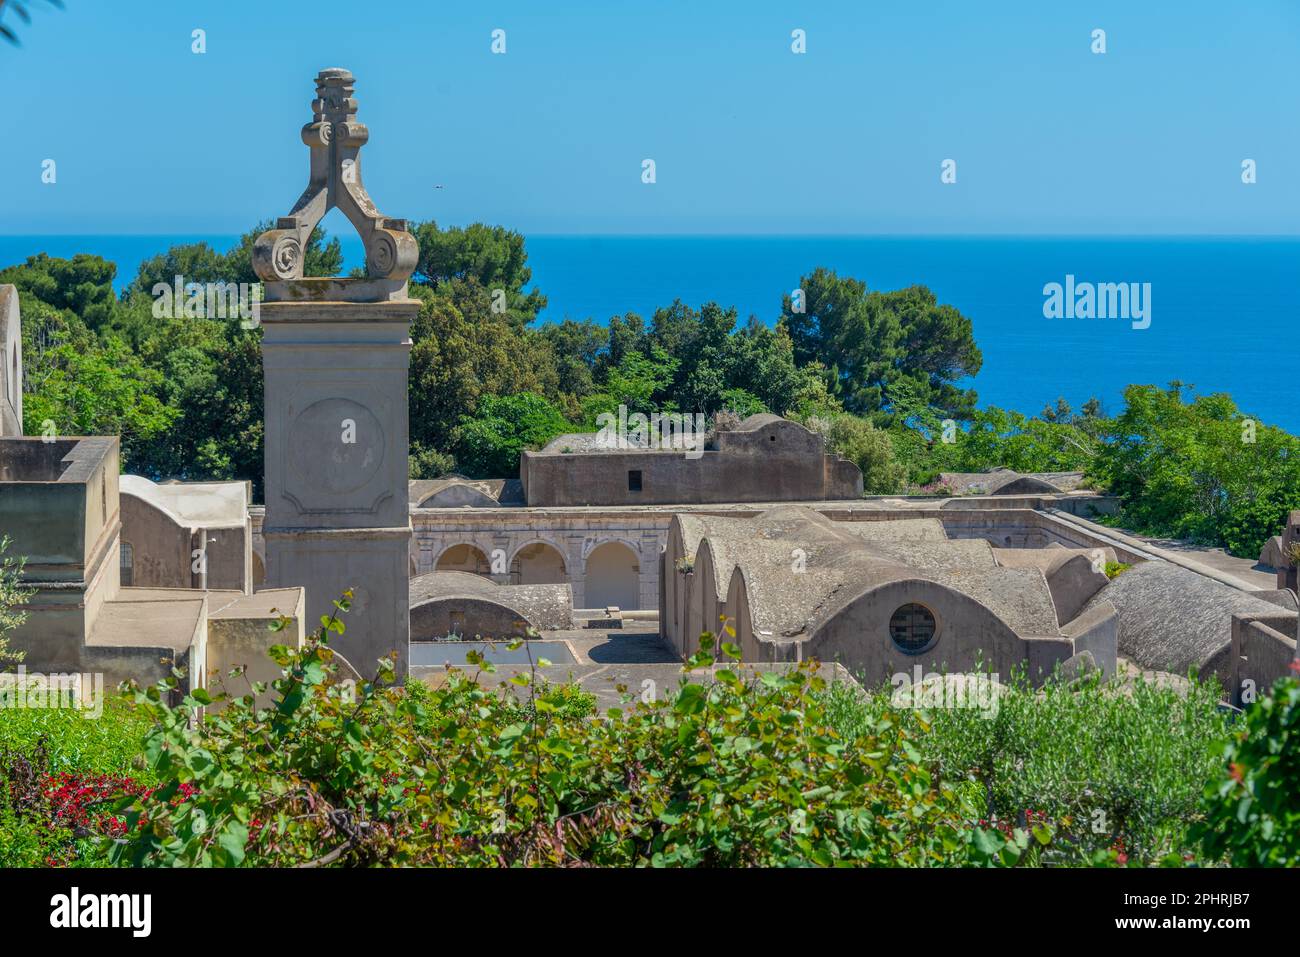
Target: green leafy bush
(12, 595)
(991, 438)
(744, 771)
(1117, 770)
(1252, 809)
(1115, 569)
(867, 447)
(751, 769)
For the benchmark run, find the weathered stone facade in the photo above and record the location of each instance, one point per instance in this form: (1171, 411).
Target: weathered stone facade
(60, 504)
(764, 459)
(568, 537)
(465, 605)
(186, 535)
(791, 583)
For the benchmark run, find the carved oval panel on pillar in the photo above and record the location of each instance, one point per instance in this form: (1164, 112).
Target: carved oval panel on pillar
(336, 446)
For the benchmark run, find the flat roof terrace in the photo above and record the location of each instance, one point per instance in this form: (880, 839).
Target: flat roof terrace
(64, 460)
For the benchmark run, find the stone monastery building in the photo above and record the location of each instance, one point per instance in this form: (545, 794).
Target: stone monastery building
(754, 529)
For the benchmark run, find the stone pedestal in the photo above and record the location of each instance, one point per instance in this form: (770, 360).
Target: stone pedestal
(336, 464)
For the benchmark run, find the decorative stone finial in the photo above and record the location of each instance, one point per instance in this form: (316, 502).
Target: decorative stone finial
(335, 139)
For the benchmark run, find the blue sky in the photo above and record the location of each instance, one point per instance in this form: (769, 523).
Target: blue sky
(747, 136)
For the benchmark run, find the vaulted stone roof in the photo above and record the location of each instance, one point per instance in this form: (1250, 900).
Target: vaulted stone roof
(456, 491)
(728, 538)
(193, 504)
(1008, 482)
(1172, 619)
(757, 421)
(801, 568)
(542, 606)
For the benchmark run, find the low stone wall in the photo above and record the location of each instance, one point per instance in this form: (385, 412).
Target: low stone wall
(1096, 631)
(1261, 653)
(240, 636)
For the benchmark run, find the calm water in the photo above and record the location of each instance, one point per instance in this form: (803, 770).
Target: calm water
(1223, 311)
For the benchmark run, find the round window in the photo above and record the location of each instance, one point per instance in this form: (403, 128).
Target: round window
(912, 628)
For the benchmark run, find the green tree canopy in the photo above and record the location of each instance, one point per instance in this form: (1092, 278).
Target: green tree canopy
(491, 256)
(102, 391)
(82, 285)
(875, 340)
(488, 443)
(1195, 467)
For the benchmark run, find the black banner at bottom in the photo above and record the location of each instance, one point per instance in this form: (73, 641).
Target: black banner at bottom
(334, 906)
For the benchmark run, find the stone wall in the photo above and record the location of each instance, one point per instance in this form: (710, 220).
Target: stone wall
(239, 635)
(778, 461)
(186, 535)
(501, 533)
(1263, 650)
(59, 505)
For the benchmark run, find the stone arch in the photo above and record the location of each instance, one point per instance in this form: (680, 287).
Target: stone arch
(968, 635)
(463, 557)
(591, 544)
(457, 495)
(738, 601)
(1026, 485)
(612, 576)
(704, 608)
(538, 562)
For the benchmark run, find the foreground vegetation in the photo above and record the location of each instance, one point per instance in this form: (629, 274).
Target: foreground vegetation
(1111, 770)
(750, 770)
(885, 376)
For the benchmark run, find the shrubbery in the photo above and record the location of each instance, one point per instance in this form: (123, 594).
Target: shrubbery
(750, 769)
(744, 771)
(55, 769)
(1118, 772)
(1196, 467)
(1252, 810)
(12, 595)
(489, 443)
(867, 447)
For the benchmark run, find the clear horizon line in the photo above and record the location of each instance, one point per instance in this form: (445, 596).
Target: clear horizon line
(733, 235)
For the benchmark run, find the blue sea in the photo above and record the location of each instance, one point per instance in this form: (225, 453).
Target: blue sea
(1224, 311)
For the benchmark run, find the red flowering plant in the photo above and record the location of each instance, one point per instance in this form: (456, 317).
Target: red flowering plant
(35, 829)
(60, 818)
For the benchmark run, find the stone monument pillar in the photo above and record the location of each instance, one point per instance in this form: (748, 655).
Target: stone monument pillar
(335, 353)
